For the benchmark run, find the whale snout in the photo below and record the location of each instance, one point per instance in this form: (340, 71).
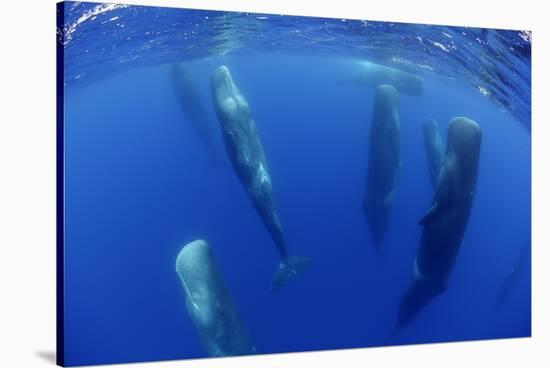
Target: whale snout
(222, 69)
(386, 97)
(464, 137)
(228, 100)
(222, 83)
(191, 261)
(221, 77)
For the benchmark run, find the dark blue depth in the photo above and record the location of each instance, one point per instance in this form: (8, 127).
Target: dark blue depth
(138, 186)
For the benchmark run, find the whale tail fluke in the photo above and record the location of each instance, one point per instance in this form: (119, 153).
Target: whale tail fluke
(288, 269)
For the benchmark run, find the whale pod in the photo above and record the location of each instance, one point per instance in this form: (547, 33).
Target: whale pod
(208, 302)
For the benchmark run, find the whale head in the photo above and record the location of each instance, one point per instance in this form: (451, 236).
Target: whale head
(228, 100)
(386, 97)
(197, 272)
(222, 82)
(194, 260)
(464, 139)
(208, 302)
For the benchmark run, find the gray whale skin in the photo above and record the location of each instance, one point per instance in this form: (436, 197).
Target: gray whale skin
(192, 107)
(434, 149)
(208, 303)
(372, 74)
(512, 275)
(444, 224)
(383, 162)
(246, 154)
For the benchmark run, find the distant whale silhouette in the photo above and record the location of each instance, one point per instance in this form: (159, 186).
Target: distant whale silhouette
(434, 149)
(208, 302)
(444, 224)
(245, 151)
(384, 161)
(192, 107)
(512, 275)
(371, 74)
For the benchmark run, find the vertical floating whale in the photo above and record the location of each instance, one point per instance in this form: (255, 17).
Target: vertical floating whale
(246, 154)
(512, 275)
(434, 149)
(383, 163)
(192, 107)
(208, 302)
(444, 224)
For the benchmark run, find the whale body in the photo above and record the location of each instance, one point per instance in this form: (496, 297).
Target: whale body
(383, 162)
(208, 302)
(444, 224)
(434, 149)
(512, 275)
(192, 107)
(372, 74)
(247, 157)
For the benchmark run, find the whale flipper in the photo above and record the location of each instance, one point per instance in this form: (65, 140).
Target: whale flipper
(438, 208)
(443, 199)
(446, 221)
(288, 269)
(433, 213)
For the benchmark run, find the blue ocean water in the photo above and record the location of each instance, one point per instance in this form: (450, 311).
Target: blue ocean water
(139, 184)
